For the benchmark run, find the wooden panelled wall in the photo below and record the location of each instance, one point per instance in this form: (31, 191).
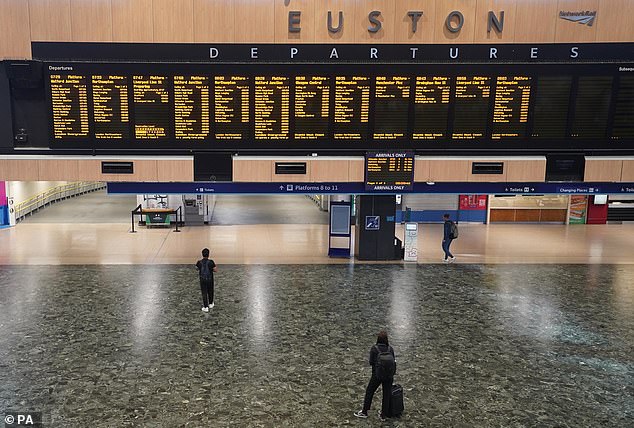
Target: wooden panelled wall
(425, 169)
(266, 21)
(54, 169)
(246, 169)
(609, 169)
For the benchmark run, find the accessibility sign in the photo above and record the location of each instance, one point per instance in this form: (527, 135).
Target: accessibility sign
(372, 222)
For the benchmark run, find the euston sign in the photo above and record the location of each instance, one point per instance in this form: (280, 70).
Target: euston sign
(454, 22)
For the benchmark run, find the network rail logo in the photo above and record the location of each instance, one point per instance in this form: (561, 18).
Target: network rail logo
(583, 17)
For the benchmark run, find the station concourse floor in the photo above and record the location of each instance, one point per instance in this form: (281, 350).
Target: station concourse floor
(533, 326)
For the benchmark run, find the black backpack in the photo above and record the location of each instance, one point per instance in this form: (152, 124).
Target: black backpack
(205, 272)
(385, 366)
(454, 230)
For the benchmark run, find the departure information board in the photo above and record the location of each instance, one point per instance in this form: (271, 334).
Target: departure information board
(624, 109)
(191, 107)
(351, 107)
(152, 115)
(110, 106)
(391, 109)
(312, 107)
(232, 107)
(471, 101)
(431, 107)
(69, 105)
(391, 170)
(272, 108)
(592, 107)
(551, 109)
(510, 110)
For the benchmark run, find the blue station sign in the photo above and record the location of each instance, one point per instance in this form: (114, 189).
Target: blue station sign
(177, 188)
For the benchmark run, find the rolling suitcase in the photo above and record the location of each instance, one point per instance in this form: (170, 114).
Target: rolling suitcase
(396, 401)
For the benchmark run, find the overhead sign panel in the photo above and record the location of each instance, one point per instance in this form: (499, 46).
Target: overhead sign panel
(389, 171)
(359, 188)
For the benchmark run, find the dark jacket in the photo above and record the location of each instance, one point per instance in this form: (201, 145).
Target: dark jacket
(447, 231)
(212, 265)
(374, 354)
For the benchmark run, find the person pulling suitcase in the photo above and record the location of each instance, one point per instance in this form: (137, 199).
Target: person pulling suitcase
(383, 363)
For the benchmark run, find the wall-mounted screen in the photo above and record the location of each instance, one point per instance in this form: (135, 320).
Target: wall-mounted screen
(312, 107)
(389, 170)
(192, 112)
(431, 107)
(111, 108)
(69, 106)
(339, 107)
(600, 199)
(232, 107)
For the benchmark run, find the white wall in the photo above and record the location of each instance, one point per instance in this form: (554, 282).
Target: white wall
(437, 202)
(620, 197)
(23, 190)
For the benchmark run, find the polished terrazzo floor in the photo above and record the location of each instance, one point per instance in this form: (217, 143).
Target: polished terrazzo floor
(91, 208)
(286, 345)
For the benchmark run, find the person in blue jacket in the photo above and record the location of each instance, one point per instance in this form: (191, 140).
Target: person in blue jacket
(447, 238)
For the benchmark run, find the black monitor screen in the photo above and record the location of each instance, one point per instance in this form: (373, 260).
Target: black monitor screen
(315, 107)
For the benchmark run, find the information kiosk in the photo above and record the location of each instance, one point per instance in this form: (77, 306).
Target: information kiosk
(411, 242)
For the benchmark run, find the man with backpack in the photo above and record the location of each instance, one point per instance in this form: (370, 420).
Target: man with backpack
(206, 268)
(450, 232)
(383, 363)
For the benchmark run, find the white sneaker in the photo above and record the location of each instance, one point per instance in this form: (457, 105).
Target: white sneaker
(452, 259)
(360, 414)
(212, 305)
(445, 260)
(205, 309)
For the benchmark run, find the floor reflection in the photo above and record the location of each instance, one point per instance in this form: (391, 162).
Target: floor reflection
(258, 306)
(286, 345)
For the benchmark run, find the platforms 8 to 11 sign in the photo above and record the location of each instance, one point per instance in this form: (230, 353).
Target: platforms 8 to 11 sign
(389, 171)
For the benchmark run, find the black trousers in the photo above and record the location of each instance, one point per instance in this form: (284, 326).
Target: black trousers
(207, 289)
(387, 393)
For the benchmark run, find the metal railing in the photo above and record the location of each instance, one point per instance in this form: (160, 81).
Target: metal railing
(54, 194)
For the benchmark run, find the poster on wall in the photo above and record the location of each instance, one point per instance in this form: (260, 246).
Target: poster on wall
(473, 202)
(4, 208)
(155, 201)
(578, 209)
